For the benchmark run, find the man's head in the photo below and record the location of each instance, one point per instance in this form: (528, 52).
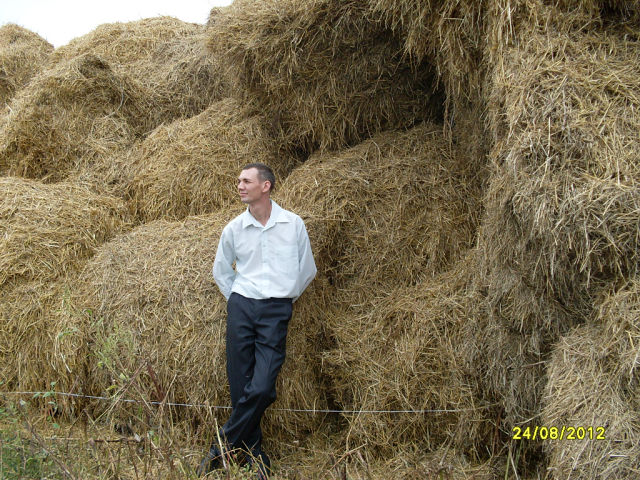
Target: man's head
(256, 180)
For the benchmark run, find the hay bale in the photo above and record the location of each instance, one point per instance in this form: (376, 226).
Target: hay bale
(398, 348)
(153, 307)
(594, 381)
(128, 43)
(72, 117)
(333, 456)
(191, 166)
(563, 201)
(452, 34)
(165, 55)
(401, 206)
(457, 33)
(325, 72)
(185, 78)
(506, 365)
(466, 40)
(385, 217)
(47, 233)
(22, 55)
(410, 462)
(565, 197)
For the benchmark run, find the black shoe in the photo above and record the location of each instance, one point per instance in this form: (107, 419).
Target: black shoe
(262, 464)
(211, 461)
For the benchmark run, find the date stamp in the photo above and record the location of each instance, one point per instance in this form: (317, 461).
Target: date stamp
(563, 432)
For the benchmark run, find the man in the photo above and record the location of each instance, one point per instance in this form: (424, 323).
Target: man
(273, 266)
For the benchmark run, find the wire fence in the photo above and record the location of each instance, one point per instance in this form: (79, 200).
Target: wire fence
(224, 407)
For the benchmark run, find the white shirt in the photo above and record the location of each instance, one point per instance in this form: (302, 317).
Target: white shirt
(274, 260)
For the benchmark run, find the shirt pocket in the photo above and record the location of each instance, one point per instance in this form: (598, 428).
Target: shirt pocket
(287, 259)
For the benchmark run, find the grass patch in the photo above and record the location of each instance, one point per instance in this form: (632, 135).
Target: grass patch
(20, 456)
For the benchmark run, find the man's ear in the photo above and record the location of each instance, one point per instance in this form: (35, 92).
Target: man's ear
(266, 186)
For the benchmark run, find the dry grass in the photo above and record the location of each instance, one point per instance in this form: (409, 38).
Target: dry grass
(466, 41)
(47, 233)
(102, 93)
(462, 35)
(334, 457)
(397, 208)
(190, 167)
(386, 218)
(563, 203)
(398, 348)
(71, 117)
(129, 43)
(22, 55)
(93, 451)
(450, 33)
(594, 382)
(165, 55)
(324, 72)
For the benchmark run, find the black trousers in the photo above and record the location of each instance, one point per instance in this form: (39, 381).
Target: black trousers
(256, 344)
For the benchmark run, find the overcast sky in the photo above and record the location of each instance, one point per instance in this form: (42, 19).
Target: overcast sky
(59, 21)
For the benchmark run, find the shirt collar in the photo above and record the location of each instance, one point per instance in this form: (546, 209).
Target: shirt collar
(277, 216)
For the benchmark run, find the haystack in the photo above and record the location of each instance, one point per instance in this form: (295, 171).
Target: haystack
(165, 55)
(452, 35)
(155, 321)
(394, 209)
(129, 43)
(466, 40)
(72, 117)
(334, 456)
(185, 78)
(22, 55)
(191, 166)
(410, 462)
(385, 217)
(564, 113)
(466, 37)
(47, 233)
(563, 202)
(594, 383)
(323, 71)
(397, 355)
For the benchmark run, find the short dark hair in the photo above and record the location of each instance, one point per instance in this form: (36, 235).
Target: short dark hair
(264, 173)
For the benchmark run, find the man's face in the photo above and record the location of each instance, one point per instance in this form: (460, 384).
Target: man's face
(250, 187)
